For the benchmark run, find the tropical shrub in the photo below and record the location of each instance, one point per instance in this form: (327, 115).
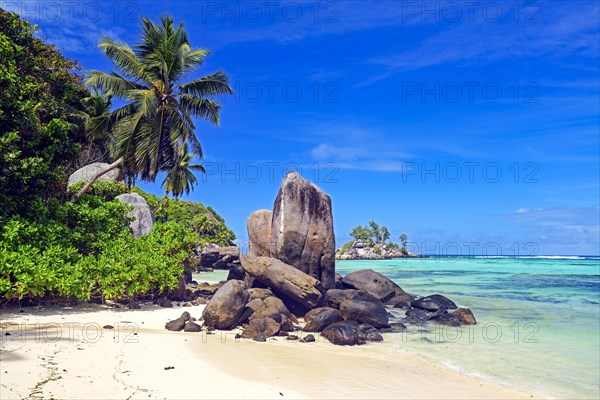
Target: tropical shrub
(40, 130)
(202, 220)
(106, 190)
(85, 249)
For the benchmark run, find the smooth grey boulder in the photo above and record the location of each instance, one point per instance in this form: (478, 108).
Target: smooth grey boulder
(465, 316)
(447, 319)
(284, 279)
(191, 326)
(319, 318)
(344, 333)
(84, 174)
(400, 301)
(225, 307)
(259, 233)
(271, 307)
(302, 229)
(433, 303)
(416, 316)
(142, 214)
(179, 323)
(373, 282)
(259, 293)
(336, 296)
(365, 312)
(261, 328)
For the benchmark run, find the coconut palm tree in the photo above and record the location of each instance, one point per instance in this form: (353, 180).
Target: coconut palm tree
(156, 119)
(180, 177)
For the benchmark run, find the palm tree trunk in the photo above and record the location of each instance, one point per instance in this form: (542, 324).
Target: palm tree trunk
(87, 186)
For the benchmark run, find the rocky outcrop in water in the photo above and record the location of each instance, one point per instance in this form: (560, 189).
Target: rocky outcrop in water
(362, 250)
(269, 292)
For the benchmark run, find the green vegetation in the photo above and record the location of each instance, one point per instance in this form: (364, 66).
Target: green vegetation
(41, 130)
(202, 220)
(85, 249)
(50, 123)
(180, 177)
(404, 241)
(152, 128)
(372, 233)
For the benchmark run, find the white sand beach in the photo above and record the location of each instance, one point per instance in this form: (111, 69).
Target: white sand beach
(65, 353)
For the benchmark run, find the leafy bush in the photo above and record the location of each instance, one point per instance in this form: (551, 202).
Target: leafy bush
(107, 190)
(39, 131)
(85, 249)
(209, 225)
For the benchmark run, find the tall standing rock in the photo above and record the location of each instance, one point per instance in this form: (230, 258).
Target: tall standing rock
(302, 229)
(144, 218)
(259, 233)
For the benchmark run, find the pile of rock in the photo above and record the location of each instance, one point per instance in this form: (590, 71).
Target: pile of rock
(362, 250)
(289, 273)
(216, 257)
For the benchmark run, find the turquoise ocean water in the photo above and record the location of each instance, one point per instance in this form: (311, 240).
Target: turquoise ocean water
(538, 319)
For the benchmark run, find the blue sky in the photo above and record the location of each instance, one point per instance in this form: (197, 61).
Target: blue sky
(473, 128)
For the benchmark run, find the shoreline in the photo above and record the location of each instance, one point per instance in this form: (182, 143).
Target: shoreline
(129, 361)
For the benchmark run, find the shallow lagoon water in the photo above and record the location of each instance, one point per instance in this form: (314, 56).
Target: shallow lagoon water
(538, 319)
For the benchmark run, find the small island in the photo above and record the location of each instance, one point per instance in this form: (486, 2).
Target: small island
(372, 243)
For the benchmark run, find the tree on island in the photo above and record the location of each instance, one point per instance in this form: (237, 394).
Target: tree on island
(157, 120)
(403, 241)
(373, 233)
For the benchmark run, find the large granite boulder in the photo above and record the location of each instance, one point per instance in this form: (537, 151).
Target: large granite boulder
(344, 333)
(302, 229)
(214, 256)
(433, 303)
(271, 307)
(416, 316)
(285, 279)
(365, 312)
(259, 233)
(400, 301)
(225, 307)
(142, 214)
(319, 318)
(373, 282)
(179, 323)
(465, 316)
(261, 328)
(336, 296)
(84, 174)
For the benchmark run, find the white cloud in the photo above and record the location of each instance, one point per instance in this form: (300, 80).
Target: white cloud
(522, 210)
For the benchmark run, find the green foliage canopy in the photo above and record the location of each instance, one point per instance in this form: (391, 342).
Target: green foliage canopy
(40, 129)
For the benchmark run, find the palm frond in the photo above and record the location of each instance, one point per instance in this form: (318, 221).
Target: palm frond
(208, 86)
(111, 84)
(124, 58)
